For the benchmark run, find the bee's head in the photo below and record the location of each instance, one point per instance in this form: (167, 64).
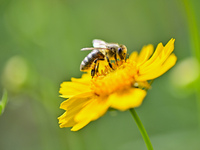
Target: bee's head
(122, 51)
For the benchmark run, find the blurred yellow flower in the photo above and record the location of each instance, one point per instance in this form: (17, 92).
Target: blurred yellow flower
(121, 88)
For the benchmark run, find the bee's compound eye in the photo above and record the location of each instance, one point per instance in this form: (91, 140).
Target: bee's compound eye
(119, 50)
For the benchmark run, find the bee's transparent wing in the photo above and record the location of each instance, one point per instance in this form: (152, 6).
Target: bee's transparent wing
(87, 49)
(99, 43)
(91, 48)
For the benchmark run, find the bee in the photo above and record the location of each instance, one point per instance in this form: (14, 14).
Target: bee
(102, 51)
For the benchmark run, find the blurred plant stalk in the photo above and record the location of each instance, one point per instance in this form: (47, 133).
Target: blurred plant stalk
(3, 102)
(195, 43)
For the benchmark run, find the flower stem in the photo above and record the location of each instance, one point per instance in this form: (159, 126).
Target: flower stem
(142, 129)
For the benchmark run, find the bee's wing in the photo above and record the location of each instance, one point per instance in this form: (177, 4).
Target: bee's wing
(87, 49)
(99, 43)
(91, 48)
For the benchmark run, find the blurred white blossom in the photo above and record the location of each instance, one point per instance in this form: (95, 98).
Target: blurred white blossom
(15, 73)
(185, 72)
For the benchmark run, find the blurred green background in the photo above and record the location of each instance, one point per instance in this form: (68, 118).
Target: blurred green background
(40, 42)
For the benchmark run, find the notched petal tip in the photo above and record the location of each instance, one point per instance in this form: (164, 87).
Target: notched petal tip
(80, 125)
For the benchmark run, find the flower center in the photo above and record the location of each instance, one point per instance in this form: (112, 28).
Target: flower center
(112, 80)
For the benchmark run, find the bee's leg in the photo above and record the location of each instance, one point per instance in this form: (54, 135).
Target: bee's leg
(115, 56)
(97, 68)
(92, 73)
(94, 68)
(109, 62)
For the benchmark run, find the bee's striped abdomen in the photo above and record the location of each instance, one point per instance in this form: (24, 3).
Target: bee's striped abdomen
(89, 59)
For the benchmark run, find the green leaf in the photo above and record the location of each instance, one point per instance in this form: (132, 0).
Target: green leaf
(3, 102)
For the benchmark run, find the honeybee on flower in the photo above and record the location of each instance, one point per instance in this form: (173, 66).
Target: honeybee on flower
(121, 85)
(102, 51)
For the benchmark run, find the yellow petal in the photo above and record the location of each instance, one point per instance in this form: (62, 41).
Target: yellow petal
(168, 49)
(133, 56)
(81, 109)
(73, 106)
(80, 125)
(69, 89)
(86, 77)
(76, 100)
(127, 99)
(156, 72)
(154, 56)
(154, 63)
(145, 53)
(169, 63)
(66, 121)
(93, 110)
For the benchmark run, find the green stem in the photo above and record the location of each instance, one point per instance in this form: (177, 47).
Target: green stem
(142, 129)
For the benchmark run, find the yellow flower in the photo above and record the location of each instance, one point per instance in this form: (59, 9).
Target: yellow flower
(121, 88)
